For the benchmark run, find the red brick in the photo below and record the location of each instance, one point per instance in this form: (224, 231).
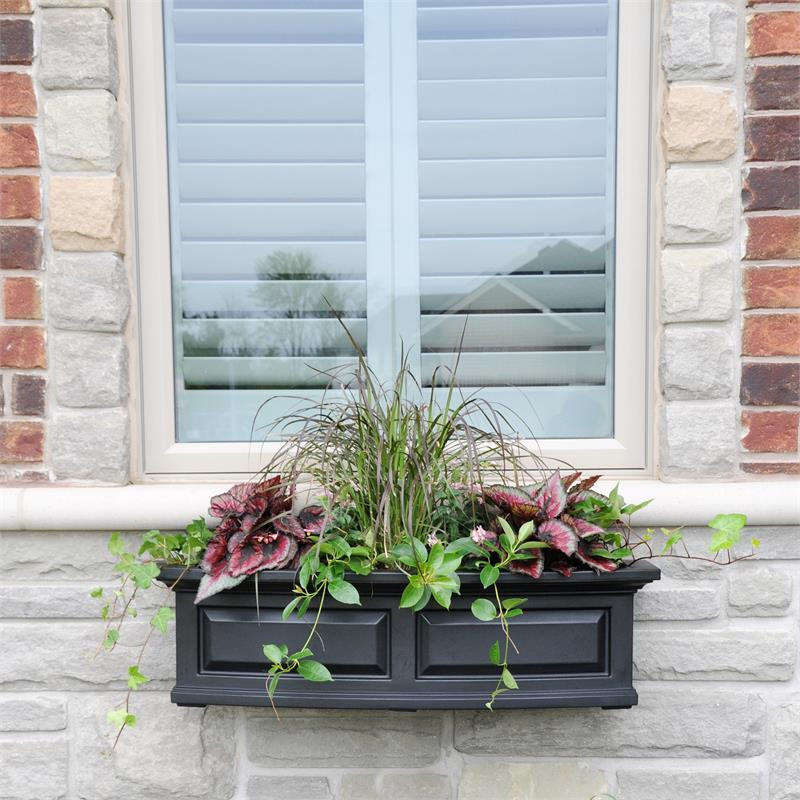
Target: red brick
(18, 146)
(773, 138)
(771, 335)
(16, 95)
(19, 197)
(772, 287)
(21, 442)
(772, 468)
(28, 395)
(22, 298)
(775, 34)
(770, 431)
(16, 41)
(20, 248)
(770, 385)
(22, 347)
(768, 188)
(15, 7)
(773, 238)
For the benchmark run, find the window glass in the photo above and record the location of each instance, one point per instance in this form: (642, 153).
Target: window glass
(481, 188)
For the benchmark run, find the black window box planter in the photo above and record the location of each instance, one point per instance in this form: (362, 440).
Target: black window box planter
(574, 640)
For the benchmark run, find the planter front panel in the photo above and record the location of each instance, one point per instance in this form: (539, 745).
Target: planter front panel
(574, 642)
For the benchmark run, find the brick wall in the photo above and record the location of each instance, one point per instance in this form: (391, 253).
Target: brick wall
(715, 655)
(770, 375)
(23, 357)
(63, 387)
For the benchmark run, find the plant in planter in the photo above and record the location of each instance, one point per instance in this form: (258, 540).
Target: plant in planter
(418, 504)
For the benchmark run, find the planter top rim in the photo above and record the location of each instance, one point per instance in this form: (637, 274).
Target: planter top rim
(629, 577)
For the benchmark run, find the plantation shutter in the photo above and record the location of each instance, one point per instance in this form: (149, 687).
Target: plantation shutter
(266, 115)
(430, 171)
(516, 205)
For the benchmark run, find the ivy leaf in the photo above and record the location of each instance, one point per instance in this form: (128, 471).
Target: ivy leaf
(728, 529)
(344, 592)
(115, 544)
(144, 574)
(756, 543)
(162, 618)
(508, 679)
(483, 609)
(273, 653)
(300, 654)
(96, 592)
(135, 678)
(119, 717)
(411, 595)
(673, 537)
(489, 575)
(313, 671)
(515, 612)
(494, 654)
(514, 602)
(111, 639)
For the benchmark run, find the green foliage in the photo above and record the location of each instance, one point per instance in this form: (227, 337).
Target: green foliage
(728, 530)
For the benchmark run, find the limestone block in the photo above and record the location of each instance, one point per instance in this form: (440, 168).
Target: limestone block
(784, 771)
(34, 769)
(86, 213)
(548, 781)
(78, 49)
(41, 655)
(188, 752)
(762, 592)
(667, 723)
(660, 784)
(696, 285)
(698, 439)
(91, 370)
(697, 363)
(31, 713)
(711, 655)
(334, 738)
(88, 292)
(82, 131)
(670, 599)
(698, 205)
(699, 124)
(90, 445)
(699, 41)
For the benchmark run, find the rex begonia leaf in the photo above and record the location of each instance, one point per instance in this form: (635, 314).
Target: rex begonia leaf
(581, 526)
(552, 498)
(512, 500)
(584, 553)
(532, 567)
(558, 535)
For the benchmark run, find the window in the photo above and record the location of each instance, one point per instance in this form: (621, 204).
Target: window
(433, 172)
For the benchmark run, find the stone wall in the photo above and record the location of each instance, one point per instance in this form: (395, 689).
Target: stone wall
(716, 668)
(705, 335)
(63, 357)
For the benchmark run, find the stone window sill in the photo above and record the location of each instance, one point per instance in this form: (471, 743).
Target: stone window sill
(171, 506)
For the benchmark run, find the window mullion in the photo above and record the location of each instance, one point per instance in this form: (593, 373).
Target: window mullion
(378, 179)
(405, 181)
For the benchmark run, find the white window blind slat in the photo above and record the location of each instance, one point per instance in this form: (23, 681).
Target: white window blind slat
(511, 99)
(226, 102)
(513, 177)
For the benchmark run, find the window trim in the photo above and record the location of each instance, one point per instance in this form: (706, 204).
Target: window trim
(630, 451)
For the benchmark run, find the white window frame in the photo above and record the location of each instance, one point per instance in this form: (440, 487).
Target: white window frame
(629, 452)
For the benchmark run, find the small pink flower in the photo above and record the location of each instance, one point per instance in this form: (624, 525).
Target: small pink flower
(480, 535)
(432, 540)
